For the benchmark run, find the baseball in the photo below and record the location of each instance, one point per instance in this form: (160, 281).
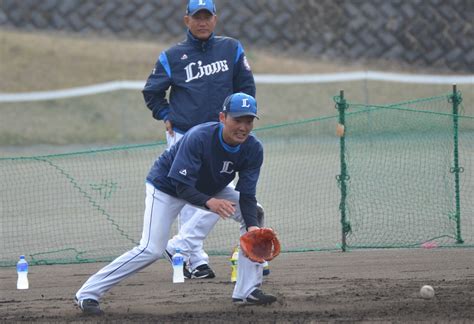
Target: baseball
(427, 292)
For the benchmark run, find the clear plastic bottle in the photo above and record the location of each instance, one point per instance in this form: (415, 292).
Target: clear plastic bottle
(178, 263)
(22, 270)
(266, 268)
(234, 259)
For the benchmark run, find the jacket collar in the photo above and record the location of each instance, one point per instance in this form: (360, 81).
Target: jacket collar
(202, 45)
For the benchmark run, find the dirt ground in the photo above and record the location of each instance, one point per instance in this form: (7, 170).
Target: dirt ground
(356, 286)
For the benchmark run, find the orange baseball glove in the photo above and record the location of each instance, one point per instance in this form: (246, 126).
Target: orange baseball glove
(260, 245)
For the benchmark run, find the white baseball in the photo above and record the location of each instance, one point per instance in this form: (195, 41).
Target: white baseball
(427, 292)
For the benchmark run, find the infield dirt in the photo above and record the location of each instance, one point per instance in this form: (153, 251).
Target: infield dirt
(356, 286)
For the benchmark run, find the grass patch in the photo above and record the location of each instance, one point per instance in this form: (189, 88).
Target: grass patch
(47, 61)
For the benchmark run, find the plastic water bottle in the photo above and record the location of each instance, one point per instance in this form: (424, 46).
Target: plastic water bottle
(234, 264)
(22, 270)
(266, 268)
(178, 263)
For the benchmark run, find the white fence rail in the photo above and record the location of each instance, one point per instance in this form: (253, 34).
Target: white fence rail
(259, 79)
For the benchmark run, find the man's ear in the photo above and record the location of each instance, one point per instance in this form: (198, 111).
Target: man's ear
(186, 20)
(221, 117)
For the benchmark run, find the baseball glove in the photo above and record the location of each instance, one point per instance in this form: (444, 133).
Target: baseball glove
(260, 245)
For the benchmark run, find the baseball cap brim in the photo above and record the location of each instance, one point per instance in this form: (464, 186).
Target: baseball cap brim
(241, 114)
(200, 9)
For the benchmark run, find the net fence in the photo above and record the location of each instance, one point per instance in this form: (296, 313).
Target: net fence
(403, 186)
(88, 206)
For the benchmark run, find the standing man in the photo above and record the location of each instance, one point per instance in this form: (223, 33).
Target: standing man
(200, 73)
(197, 170)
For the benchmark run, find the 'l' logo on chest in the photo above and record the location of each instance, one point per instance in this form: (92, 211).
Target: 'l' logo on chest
(227, 167)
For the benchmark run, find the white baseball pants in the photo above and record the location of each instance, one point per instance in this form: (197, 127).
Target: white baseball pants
(160, 212)
(188, 240)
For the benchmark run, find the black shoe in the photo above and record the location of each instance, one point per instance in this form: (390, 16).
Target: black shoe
(186, 272)
(257, 297)
(89, 306)
(203, 272)
(168, 256)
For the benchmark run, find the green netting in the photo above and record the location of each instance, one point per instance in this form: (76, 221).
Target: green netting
(89, 206)
(400, 188)
(401, 175)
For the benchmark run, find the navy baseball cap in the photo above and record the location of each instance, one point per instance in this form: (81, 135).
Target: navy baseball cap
(240, 104)
(197, 5)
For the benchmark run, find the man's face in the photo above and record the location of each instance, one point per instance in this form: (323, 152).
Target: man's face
(201, 25)
(236, 130)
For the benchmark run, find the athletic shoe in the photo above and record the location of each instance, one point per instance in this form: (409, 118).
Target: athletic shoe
(203, 272)
(257, 297)
(89, 306)
(186, 272)
(168, 256)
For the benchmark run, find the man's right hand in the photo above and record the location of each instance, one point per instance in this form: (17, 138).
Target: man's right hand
(224, 208)
(169, 127)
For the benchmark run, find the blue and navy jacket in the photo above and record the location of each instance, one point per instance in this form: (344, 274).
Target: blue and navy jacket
(202, 160)
(201, 75)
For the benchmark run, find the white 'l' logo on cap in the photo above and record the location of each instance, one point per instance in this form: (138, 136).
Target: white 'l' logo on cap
(245, 103)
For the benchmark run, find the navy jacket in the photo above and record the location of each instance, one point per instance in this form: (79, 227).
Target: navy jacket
(203, 161)
(201, 75)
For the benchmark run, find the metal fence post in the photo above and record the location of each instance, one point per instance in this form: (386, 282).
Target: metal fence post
(343, 177)
(456, 100)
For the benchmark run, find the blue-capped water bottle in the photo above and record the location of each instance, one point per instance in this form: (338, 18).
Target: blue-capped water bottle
(22, 270)
(178, 263)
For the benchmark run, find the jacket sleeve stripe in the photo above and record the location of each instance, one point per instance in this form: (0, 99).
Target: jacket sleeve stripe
(164, 62)
(240, 51)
